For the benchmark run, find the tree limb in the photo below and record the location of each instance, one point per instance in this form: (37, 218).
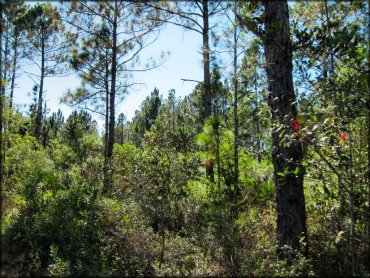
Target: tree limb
(192, 80)
(247, 23)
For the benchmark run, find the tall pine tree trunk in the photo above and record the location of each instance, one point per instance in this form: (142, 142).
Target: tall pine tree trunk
(6, 62)
(291, 213)
(14, 69)
(258, 124)
(1, 119)
(41, 89)
(236, 118)
(368, 159)
(207, 79)
(368, 137)
(206, 63)
(112, 96)
(106, 135)
(350, 173)
(112, 111)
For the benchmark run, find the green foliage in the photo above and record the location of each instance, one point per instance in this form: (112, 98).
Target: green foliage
(182, 258)
(80, 132)
(59, 267)
(166, 215)
(145, 118)
(300, 266)
(199, 191)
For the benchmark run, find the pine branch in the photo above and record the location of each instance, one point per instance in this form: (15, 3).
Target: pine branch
(251, 26)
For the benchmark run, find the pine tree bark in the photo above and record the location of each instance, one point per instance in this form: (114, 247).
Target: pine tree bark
(206, 63)
(112, 96)
(368, 160)
(111, 100)
(41, 89)
(352, 241)
(368, 137)
(14, 69)
(106, 135)
(111, 108)
(1, 117)
(291, 213)
(236, 118)
(258, 124)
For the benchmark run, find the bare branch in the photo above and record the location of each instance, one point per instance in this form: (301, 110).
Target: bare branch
(191, 80)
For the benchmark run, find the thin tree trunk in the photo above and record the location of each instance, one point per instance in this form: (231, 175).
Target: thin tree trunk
(112, 96)
(40, 97)
(163, 235)
(291, 212)
(15, 57)
(230, 243)
(236, 119)
(206, 63)
(258, 126)
(258, 130)
(337, 100)
(106, 116)
(1, 119)
(325, 61)
(173, 114)
(207, 80)
(122, 135)
(368, 135)
(106, 126)
(218, 160)
(368, 162)
(106, 135)
(328, 75)
(351, 208)
(5, 61)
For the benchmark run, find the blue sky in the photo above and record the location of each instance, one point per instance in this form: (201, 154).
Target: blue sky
(184, 61)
